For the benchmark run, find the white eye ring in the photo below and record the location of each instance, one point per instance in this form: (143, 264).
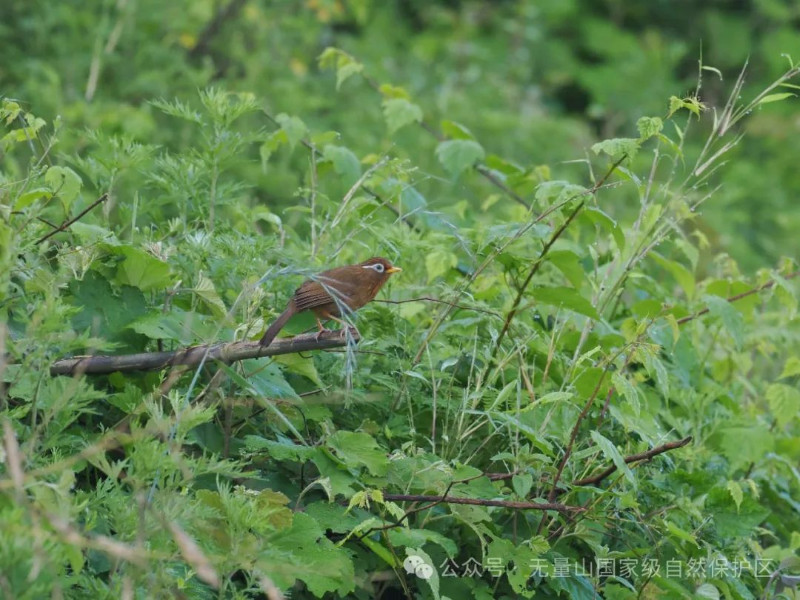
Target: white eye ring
(378, 267)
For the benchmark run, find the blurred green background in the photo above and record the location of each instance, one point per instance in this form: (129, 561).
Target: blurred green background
(536, 82)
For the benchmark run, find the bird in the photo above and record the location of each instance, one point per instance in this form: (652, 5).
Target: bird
(345, 288)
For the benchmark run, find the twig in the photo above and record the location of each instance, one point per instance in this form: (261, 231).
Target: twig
(227, 353)
(647, 455)
(554, 506)
(69, 222)
(540, 259)
(750, 292)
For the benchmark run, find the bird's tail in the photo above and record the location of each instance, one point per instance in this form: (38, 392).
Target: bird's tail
(273, 329)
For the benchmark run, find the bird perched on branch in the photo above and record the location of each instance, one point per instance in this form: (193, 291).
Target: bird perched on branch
(332, 292)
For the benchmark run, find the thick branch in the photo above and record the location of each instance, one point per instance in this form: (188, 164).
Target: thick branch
(191, 357)
(483, 502)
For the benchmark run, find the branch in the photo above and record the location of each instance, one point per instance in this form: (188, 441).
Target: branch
(647, 455)
(191, 357)
(540, 259)
(69, 222)
(563, 508)
(750, 292)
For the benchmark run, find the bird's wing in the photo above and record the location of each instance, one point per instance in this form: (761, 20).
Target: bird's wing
(313, 294)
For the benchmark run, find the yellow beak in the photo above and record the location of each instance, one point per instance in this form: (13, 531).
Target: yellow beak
(391, 270)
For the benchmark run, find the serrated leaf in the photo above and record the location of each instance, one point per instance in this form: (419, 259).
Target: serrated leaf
(564, 297)
(784, 402)
(736, 492)
(610, 452)
(628, 391)
(616, 148)
(205, 289)
(456, 156)
(294, 128)
(731, 318)
(346, 66)
(791, 367)
(648, 127)
(358, 448)
(345, 163)
(142, 270)
(64, 182)
(399, 112)
(302, 365)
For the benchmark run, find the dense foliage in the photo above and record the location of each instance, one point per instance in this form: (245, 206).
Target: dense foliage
(583, 383)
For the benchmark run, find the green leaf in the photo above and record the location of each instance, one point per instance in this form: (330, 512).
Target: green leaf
(597, 216)
(616, 148)
(736, 492)
(399, 112)
(745, 444)
(346, 66)
(682, 275)
(707, 590)
(356, 448)
(776, 97)
(569, 264)
(439, 262)
(456, 131)
(791, 367)
(142, 270)
(301, 365)
(564, 297)
(345, 163)
(610, 452)
(65, 183)
(294, 128)
(456, 156)
(522, 484)
(784, 402)
(648, 127)
(731, 318)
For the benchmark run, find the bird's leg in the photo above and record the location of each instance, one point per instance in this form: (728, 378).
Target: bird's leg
(345, 325)
(321, 328)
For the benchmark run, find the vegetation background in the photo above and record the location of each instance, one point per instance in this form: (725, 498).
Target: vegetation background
(597, 219)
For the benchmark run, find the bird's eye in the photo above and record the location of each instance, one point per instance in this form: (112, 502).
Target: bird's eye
(379, 268)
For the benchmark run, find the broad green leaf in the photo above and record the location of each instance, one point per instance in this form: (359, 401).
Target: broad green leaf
(610, 452)
(784, 402)
(205, 289)
(745, 444)
(345, 163)
(142, 270)
(791, 367)
(302, 365)
(648, 127)
(456, 156)
(569, 264)
(456, 131)
(731, 318)
(64, 182)
(522, 484)
(357, 448)
(399, 112)
(597, 216)
(627, 390)
(707, 590)
(682, 275)
(564, 297)
(617, 148)
(294, 128)
(32, 196)
(439, 262)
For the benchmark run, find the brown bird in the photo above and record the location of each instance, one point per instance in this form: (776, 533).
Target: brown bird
(352, 287)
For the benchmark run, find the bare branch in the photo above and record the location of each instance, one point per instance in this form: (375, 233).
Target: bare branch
(191, 357)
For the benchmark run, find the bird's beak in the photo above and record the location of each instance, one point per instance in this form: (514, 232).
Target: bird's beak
(391, 270)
